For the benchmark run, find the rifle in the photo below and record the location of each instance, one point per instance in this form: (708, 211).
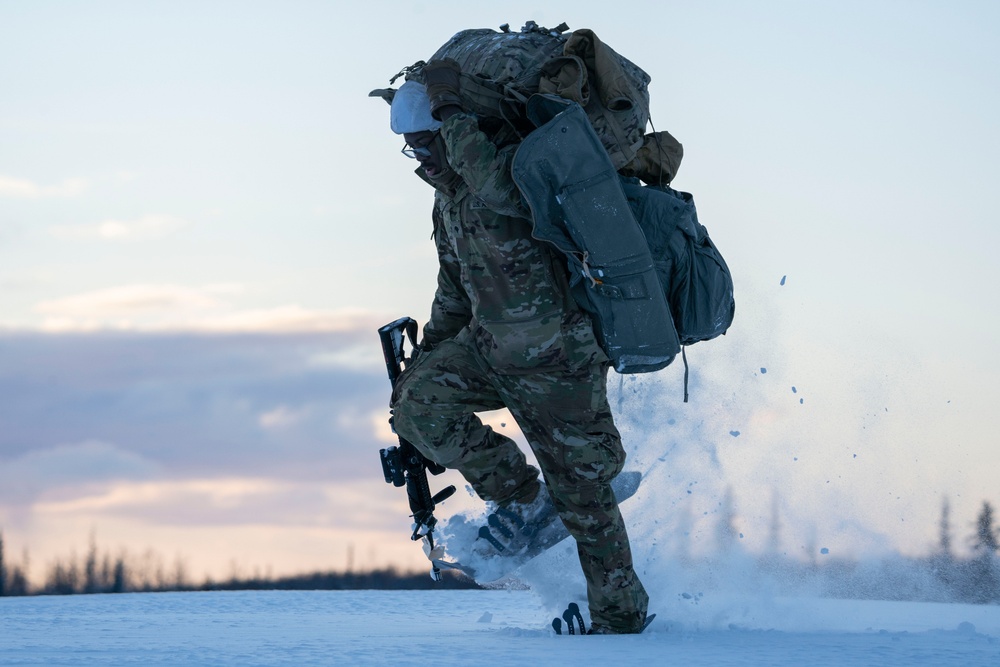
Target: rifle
(403, 464)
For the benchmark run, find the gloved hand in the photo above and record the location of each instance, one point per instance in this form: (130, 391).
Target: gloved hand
(441, 77)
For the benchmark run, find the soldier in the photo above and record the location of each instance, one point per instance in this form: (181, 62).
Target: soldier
(504, 331)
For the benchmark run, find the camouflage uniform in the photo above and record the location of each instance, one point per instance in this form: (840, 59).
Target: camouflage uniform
(504, 332)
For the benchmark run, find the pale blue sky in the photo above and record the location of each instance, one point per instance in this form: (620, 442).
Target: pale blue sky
(183, 174)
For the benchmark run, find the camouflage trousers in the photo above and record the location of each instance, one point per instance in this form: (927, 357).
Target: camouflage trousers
(566, 419)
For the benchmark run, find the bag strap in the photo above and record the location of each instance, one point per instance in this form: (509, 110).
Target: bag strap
(684, 356)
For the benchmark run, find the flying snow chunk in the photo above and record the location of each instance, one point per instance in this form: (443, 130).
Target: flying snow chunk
(735, 434)
(824, 551)
(763, 370)
(783, 280)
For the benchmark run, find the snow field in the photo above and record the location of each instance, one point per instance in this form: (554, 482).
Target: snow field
(475, 628)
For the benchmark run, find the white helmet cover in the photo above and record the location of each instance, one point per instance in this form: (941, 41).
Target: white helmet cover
(411, 110)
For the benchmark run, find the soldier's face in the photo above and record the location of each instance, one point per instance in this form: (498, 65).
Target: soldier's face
(433, 160)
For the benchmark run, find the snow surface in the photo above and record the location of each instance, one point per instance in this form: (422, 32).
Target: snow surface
(501, 627)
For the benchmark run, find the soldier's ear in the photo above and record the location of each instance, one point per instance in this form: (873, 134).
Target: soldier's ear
(385, 93)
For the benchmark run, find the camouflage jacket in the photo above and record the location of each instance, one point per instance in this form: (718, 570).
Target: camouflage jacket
(500, 289)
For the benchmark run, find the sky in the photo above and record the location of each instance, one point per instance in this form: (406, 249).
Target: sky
(204, 218)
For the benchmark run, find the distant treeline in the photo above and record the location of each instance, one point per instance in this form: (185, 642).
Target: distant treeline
(384, 579)
(939, 577)
(930, 579)
(99, 572)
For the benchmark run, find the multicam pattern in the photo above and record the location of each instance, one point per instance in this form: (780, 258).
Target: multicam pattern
(505, 58)
(504, 332)
(494, 275)
(501, 69)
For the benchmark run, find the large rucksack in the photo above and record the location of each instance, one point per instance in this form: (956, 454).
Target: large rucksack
(500, 73)
(500, 70)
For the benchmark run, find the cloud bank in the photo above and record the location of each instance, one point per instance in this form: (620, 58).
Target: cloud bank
(167, 307)
(20, 188)
(292, 407)
(145, 228)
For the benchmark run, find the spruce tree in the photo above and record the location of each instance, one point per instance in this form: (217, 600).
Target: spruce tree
(3, 569)
(982, 585)
(774, 534)
(944, 540)
(725, 529)
(986, 535)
